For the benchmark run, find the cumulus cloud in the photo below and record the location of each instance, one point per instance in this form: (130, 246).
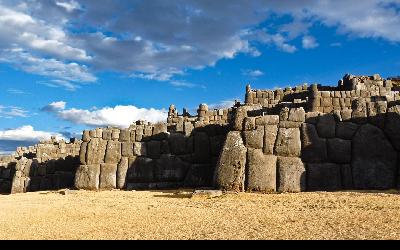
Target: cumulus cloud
(310, 42)
(118, 116)
(160, 39)
(26, 133)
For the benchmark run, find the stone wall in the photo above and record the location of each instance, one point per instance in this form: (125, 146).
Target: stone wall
(296, 151)
(148, 156)
(49, 165)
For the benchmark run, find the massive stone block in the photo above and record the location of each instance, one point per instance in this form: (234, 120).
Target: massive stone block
(108, 176)
(230, 171)
(19, 183)
(254, 138)
(139, 149)
(96, 151)
(178, 144)
(346, 130)
(392, 127)
(127, 149)
(125, 135)
(199, 175)
(122, 172)
(297, 115)
(267, 120)
(170, 169)
(324, 177)
(326, 126)
(270, 133)
(216, 144)
(154, 149)
(113, 152)
(261, 171)
(339, 151)
(291, 175)
(374, 160)
(88, 177)
(82, 153)
(202, 151)
(141, 170)
(313, 147)
(288, 142)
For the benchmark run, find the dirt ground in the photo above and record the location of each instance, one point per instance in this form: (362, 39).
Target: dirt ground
(169, 215)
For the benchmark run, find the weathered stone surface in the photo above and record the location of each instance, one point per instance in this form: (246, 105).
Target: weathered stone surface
(19, 183)
(202, 151)
(96, 151)
(324, 177)
(270, 133)
(139, 149)
(339, 151)
(230, 171)
(347, 177)
(313, 147)
(141, 170)
(297, 115)
(127, 149)
(216, 144)
(289, 124)
(326, 126)
(312, 117)
(254, 138)
(107, 134)
(178, 144)
(374, 160)
(170, 169)
(210, 194)
(291, 175)
(86, 136)
(288, 142)
(125, 135)
(261, 171)
(241, 114)
(122, 172)
(154, 149)
(113, 152)
(88, 177)
(199, 175)
(160, 130)
(82, 153)
(108, 176)
(267, 120)
(249, 123)
(346, 130)
(392, 126)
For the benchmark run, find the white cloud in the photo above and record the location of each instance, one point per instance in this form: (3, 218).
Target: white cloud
(253, 73)
(26, 133)
(12, 112)
(69, 6)
(16, 91)
(118, 116)
(309, 42)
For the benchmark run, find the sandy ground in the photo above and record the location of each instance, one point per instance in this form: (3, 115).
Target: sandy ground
(167, 215)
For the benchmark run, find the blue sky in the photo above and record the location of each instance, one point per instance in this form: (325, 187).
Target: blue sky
(69, 65)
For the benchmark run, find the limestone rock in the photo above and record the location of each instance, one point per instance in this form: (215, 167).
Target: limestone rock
(297, 115)
(261, 172)
(139, 149)
(199, 175)
(326, 126)
(170, 169)
(122, 172)
(270, 134)
(324, 177)
(288, 142)
(392, 127)
(127, 149)
(346, 130)
(267, 120)
(339, 151)
(95, 151)
(108, 176)
(313, 147)
(154, 149)
(88, 177)
(125, 135)
(254, 138)
(141, 170)
(230, 171)
(113, 152)
(202, 151)
(82, 153)
(291, 175)
(374, 160)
